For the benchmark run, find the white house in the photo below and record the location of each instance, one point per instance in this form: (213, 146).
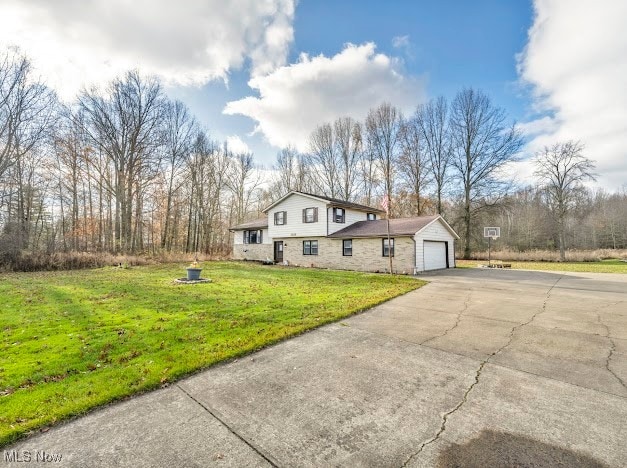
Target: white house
(316, 231)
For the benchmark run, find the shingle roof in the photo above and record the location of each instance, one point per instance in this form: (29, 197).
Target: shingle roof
(334, 201)
(256, 224)
(379, 227)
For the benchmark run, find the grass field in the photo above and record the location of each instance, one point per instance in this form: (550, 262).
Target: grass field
(75, 340)
(603, 266)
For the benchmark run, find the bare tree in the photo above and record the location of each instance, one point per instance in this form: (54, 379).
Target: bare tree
(432, 119)
(179, 129)
(383, 125)
(413, 164)
(291, 172)
(482, 144)
(562, 169)
(348, 141)
(125, 125)
(323, 160)
(27, 113)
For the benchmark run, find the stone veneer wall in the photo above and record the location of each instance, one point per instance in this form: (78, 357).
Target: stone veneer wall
(367, 254)
(253, 252)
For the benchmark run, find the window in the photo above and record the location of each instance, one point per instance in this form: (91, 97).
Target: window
(310, 247)
(280, 218)
(310, 215)
(252, 237)
(371, 216)
(339, 215)
(347, 247)
(388, 249)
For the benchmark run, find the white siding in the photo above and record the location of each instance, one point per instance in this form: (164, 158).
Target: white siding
(294, 206)
(238, 236)
(436, 231)
(352, 216)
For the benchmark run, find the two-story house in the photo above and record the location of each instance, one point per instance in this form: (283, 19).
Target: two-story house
(316, 231)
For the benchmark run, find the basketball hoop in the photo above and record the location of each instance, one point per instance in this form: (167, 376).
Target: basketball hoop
(492, 233)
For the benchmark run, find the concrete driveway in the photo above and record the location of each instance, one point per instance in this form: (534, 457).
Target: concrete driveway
(478, 368)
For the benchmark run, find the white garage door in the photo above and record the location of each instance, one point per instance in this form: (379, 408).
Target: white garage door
(435, 255)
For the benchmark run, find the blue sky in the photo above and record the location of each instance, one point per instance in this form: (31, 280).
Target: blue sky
(451, 44)
(264, 74)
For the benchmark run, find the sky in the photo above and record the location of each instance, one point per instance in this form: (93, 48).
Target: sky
(262, 74)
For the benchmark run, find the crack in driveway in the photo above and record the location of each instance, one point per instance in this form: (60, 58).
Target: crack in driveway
(459, 317)
(464, 399)
(608, 359)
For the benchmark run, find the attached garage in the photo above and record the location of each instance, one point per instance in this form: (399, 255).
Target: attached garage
(435, 246)
(419, 244)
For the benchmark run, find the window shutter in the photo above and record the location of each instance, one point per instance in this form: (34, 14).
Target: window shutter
(285, 217)
(275, 218)
(244, 237)
(315, 215)
(259, 240)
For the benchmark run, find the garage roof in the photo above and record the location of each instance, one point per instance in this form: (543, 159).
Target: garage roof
(398, 227)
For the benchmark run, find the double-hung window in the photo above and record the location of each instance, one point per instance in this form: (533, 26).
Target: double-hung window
(339, 215)
(347, 247)
(371, 216)
(280, 218)
(310, 215)
(310, 247)
(388, 247)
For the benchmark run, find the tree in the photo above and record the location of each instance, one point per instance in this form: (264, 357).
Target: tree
(179, 129)
(125, 124)
(561, 169)
(349, 150)
(413, 164)
(383, 125)
(482, 145)
(431, 118)
(323, 160)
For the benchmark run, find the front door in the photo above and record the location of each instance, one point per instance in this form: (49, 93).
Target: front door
(278, 251)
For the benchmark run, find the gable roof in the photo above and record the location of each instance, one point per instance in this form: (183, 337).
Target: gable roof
(398, 227)
(333, 201)
(260, 223)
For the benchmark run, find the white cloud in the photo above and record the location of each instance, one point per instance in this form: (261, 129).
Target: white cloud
(236, 145)
(576, 61)
(75, 42)
(294, 99)
(400, 42)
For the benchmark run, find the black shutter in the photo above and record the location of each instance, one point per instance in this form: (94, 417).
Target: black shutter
(285, 217)
(259, 240)
(244, 237)
(275, 218)
(315, 215)
(304, 215)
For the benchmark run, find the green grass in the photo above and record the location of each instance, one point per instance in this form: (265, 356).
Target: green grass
(75, 340)
(604, 266)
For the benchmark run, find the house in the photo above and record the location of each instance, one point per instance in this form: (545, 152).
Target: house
(316, 231)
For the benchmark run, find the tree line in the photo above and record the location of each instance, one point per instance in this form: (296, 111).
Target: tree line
(126, 169)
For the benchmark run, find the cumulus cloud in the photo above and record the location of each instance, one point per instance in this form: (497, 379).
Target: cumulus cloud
(75, 42)
(294, 99)
(237, 145)
(576, 62)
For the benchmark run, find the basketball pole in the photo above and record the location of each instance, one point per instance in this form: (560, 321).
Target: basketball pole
(489, 252)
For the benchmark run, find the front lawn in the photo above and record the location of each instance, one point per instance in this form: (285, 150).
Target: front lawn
(75, 340)
(604, 266)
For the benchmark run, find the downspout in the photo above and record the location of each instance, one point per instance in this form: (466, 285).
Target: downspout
(413, 238)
